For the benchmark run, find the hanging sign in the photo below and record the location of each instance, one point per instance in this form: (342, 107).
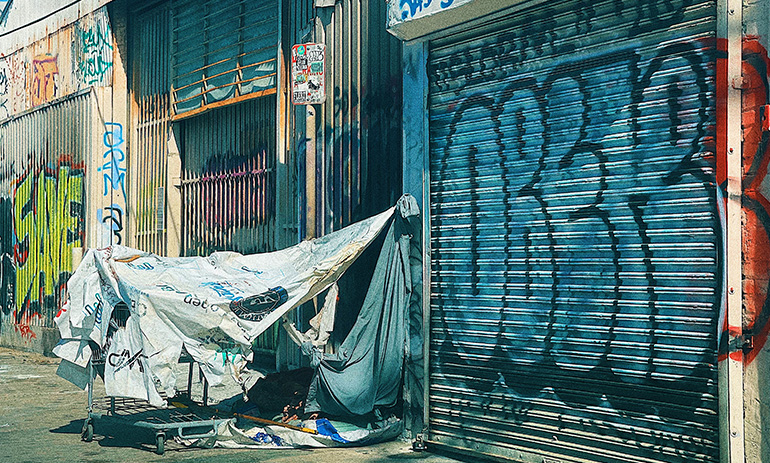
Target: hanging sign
(307, 73)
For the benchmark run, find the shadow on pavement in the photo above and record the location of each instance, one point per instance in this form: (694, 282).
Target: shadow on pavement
(112, 434)
(74, 427)
(409, 456)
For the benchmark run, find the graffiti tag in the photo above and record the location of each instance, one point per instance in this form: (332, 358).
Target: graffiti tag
(4, 88)
(93, 50)
(414, 8)
(113, 171)
(111, 218)
(44, 84)
(47, 226)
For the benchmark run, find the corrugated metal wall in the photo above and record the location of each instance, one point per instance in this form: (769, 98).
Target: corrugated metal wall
(68, 60)
(43, 154)
(228, 179)
(218, 60)
(357, 137)
(229, 184)
(301, 25)
(575, 233)
(203, 55)
(348, 150)
(151, 85)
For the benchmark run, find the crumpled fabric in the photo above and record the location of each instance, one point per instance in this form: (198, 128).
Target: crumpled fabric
(213, 307)
(366, 372)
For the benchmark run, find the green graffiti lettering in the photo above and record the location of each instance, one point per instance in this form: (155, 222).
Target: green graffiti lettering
(93, 51)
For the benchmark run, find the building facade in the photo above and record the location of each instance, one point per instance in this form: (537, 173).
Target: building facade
(596, 230)
(169, 126)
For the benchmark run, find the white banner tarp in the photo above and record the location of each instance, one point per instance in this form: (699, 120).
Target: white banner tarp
(214, 306)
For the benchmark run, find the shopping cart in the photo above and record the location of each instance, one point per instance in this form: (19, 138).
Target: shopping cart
(184, 417)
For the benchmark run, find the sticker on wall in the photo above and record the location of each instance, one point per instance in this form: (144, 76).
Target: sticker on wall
(307, 73)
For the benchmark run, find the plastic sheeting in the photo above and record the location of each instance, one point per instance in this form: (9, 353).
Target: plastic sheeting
(216, 306)
(366, 371)
(239, 434)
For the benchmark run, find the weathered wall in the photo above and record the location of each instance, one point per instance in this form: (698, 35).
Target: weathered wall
(42, 197)
(755, 200)
(355, 137)
(756, 228)
(23, 22)
(62, 155)
(73, 58)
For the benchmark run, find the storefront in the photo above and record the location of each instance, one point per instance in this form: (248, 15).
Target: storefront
(575, 278)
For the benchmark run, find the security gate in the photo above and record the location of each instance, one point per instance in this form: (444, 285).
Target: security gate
(575, 277)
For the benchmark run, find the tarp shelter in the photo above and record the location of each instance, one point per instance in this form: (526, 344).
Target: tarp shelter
(216, 306)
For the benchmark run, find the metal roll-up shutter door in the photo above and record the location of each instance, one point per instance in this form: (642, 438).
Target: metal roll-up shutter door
(575, 238)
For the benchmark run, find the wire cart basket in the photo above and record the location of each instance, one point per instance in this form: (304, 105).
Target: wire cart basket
(186, 418)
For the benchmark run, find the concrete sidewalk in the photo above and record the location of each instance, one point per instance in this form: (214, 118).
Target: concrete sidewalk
(41, 417)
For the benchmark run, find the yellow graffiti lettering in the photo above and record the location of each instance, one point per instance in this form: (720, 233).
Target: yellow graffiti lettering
(46, 231)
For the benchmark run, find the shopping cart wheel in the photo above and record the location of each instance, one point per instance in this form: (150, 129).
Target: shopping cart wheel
(88, 431)
(160, 441)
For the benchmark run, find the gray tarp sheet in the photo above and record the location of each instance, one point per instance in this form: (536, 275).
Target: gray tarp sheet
(367, 370)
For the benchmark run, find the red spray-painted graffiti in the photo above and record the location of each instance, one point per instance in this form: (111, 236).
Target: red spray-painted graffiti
(755, 126)
(43, 84)
(755, 104)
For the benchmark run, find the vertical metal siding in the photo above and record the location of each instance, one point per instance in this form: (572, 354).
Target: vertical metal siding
(301, 25)
(228, 179)
(353, 165)
(575, 234)
(42, 208)
(359, 158)
(229, 184)
(301, 17)
(381, 74)
(151, 83)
